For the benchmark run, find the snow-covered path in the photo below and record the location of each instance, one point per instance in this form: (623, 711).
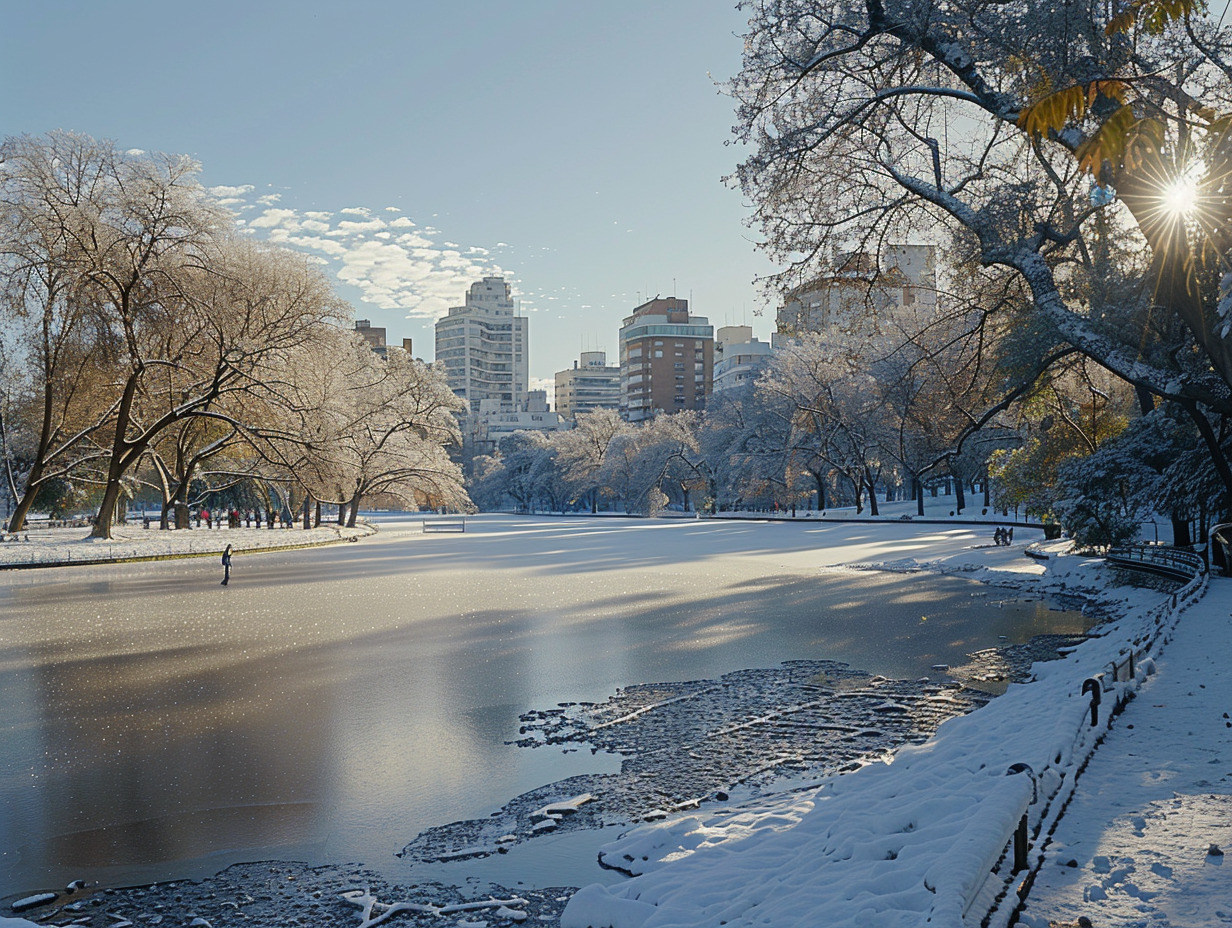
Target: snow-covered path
(924, 839)
(1133, 846)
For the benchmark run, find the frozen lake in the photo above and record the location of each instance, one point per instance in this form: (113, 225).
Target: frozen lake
(332, 703)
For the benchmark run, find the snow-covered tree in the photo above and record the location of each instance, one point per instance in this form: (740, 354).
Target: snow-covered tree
(839, 413)
(1029, 133)
(121, 273)
(582, 450)
(366, 426)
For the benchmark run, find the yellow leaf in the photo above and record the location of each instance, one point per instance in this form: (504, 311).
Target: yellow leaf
(1052, 112)
(1122, 22)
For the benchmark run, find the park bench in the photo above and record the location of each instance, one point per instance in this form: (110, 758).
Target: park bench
(455, 525)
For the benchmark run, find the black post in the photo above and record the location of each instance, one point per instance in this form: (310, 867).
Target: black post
(1020, 845)
(1021, 842)
(1092, 685)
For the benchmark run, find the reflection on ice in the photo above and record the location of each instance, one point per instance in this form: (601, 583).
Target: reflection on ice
(331, 704)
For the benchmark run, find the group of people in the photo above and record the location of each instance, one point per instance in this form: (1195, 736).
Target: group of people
(232, 517)
(1003, 536)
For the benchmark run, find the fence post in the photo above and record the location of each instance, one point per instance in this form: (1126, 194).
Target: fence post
(1092, 685)
(1021, 843)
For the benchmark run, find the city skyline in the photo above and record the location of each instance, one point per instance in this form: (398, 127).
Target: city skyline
(577, 152)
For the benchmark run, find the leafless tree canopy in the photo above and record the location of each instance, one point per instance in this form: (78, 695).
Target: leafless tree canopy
(139, 327)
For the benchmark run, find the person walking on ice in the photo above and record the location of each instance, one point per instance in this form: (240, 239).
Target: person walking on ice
(226, 565)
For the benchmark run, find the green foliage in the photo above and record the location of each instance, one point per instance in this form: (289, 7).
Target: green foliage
(59, 498)
(1101, 513)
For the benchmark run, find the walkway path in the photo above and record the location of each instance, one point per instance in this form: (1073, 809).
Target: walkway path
(1140, 842)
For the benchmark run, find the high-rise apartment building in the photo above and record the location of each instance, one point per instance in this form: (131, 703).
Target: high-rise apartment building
(666, 359)
(483, 346)
(739, 357)
(374, 335)
(590, 385)
(864, 293)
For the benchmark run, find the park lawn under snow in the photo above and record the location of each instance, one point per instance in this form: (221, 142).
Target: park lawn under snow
(912, 841)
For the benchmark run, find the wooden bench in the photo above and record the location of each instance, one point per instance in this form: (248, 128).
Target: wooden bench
(458, 525)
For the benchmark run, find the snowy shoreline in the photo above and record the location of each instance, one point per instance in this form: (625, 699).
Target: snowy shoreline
(924, 838)
(274, 891)
(73, 547)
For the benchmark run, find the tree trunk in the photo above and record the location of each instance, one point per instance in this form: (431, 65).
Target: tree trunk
(919, 496)
(1181, 536)
(821, 491)
(122, 452)
(342, 513)
(179, 503)
(111, 496)
(17, 522)
(1217, 456)
(34, 480)
(316, 519)
(307, 511)
(960, 496)
(354, 506)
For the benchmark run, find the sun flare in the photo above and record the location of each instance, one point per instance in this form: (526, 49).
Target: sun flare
(1180, 197)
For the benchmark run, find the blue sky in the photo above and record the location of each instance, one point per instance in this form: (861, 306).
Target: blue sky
(575, 147)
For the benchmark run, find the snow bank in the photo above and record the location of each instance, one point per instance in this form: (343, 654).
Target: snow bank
(926, 838)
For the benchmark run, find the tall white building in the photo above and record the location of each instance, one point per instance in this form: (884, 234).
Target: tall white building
(483, 347)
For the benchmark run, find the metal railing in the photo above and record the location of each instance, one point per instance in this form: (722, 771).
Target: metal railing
(994, 900)
(1160, 559)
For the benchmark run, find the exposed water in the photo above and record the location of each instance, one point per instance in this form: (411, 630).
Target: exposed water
(330, 704)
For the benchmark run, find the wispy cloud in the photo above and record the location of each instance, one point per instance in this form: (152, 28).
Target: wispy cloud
(394, 262)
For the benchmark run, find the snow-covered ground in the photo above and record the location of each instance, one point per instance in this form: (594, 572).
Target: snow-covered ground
(926, 837)
(50, 546)
(1144, 839)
